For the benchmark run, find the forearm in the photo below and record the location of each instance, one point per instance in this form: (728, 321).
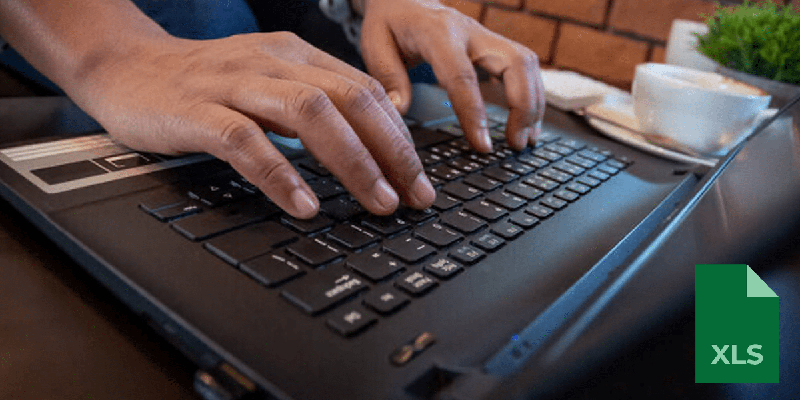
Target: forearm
(69, 40)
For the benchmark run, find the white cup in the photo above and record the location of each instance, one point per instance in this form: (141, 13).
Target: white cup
(704, 111)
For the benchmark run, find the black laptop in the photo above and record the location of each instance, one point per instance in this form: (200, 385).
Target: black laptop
(460, 301)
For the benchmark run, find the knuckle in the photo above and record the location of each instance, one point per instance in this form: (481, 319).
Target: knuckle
(464, 77)
(358, 97)
(405, 159)
(310, 103)
(234, 136)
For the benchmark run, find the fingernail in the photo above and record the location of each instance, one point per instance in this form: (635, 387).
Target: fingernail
(486, 140)
(385, 196)
(395, 98)
(305, 205)
(422, 190)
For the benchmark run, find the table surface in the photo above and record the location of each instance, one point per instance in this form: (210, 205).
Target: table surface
(64, 336)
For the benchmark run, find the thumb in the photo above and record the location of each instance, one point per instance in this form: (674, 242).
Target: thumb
(382, 57)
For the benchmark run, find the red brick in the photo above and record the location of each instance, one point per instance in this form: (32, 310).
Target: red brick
(599, 54)
(659, 54)
(591, 11)
(534, 32)
(515, 4)
(467, 8)
(654, 18)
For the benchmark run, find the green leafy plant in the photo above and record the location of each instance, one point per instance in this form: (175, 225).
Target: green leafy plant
(759, 39)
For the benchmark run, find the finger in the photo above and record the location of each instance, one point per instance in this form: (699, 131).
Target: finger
(232, 137)
(323, 131)
(388, 146)
(519, 69)
(457, 76)
(323, 60)
(382, 58)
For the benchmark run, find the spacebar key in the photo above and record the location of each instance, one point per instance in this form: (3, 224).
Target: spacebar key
(323, 289)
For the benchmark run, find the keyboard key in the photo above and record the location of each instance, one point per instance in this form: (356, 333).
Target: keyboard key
(607, 169)
(485, 159)
(351, 320)
(385, 225)
(375, 265)
(538, 210)
(482, 182)
(466, 254)
(352, 236)
(162, 199)
(326, 188)
(569, 168)
(524, 220)
(578, 188)
(271, 269)
(385, 300)
(308, 226)
(557, 148)
(507, 230)
(526, 191)
(314, 166)
(437, 235)
(547, 154)
(599, 175)
(180, 210)
(592, 155)
(488, 242)
(323, 289)
(417, 216)
(461, 191)
(444, 172)
(555, 175)
(581, 162)
(573, 144)
(314, 252)
(217, 192)
(444, 202)
(588, 181)
(500, 174)
(341, 208)
(463, 222)
(565, 194)
(223, 219)
(416, 283)
(541, 183)
(250, 241)
(429, 158)
(408, 249)
(486, 210)
(554, 202)
(615, 164)
(517, 167)
(464, 164)
(442, 267)
(535, 162)
(506, 200)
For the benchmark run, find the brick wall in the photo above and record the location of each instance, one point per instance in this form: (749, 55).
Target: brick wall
(604, 39)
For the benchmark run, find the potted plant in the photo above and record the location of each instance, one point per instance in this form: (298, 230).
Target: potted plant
(758, 44)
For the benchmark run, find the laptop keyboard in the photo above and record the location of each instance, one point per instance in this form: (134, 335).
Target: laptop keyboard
(354, 268)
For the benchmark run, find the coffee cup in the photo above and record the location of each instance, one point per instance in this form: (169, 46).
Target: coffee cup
(703, 111)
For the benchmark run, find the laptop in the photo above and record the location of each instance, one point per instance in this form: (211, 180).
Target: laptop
(470, 299)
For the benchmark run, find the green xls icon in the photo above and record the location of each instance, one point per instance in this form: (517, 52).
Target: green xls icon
(736, 326)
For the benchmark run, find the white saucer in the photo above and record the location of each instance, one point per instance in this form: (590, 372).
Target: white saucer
(614, 117)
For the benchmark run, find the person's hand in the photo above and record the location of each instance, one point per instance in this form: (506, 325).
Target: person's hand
(399, 33)
(175, 96)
